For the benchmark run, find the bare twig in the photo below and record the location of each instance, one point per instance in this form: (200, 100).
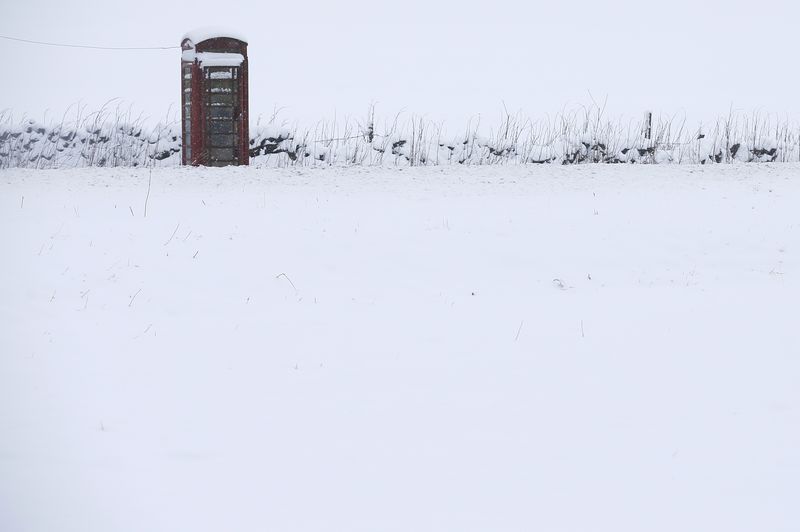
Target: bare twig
(173, 234)
(134, 297)
(287, 278)
(149, 180)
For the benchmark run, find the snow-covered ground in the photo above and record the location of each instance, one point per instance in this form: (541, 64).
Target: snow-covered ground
(591, 348)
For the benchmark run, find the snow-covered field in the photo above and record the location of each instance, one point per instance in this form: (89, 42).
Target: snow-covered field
(591, 348)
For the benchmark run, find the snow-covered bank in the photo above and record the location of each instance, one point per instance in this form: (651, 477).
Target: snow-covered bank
(111, 138)
(606, 348)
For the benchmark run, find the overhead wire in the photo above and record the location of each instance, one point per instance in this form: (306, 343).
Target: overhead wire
(92, 47)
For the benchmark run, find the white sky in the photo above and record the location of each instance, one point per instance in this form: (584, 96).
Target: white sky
(447, 60)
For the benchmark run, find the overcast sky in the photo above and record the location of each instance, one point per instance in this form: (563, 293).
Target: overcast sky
(448, 60)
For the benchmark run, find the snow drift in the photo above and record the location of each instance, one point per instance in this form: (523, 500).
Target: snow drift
(606, 348)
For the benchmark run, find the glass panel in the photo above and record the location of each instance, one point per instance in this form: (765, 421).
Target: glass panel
(187, 127)
(221, 140)
(221, 99)
(221, 72)
(210, 70)
(187, 111)
(220, 112)
(220, 126)
(220, 85)
(187, 98)
(221, 154)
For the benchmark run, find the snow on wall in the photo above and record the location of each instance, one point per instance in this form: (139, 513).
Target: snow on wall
(106, 143)
(91, 144)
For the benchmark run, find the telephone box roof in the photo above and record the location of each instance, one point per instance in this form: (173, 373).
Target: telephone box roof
(203, 34)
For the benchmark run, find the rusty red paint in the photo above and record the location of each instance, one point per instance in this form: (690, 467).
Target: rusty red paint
(199, 136)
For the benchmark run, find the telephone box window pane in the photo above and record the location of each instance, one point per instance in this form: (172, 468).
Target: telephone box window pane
(221, 141)
(221, 154)
(220, 99)
(187, 98)
(221, 72)
(220, 112)
(220, 75)
(187, 126)
(220, 85)
(187, 111)
(217, 127)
